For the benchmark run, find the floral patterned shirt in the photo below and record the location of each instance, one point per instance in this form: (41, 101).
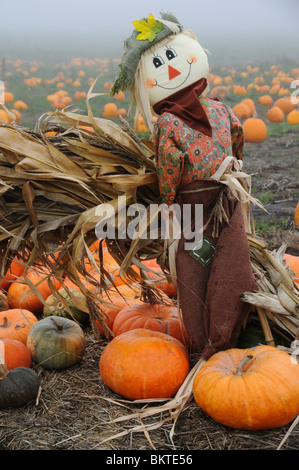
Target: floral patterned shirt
(184, 155)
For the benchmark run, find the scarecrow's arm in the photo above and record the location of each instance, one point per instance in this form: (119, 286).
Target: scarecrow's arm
(237, 135)
(170, 161)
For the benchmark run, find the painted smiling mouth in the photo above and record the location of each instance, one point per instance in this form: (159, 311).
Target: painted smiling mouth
(173, 88)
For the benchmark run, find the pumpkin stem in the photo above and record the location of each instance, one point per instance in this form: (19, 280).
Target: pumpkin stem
(58, 324)
(240, 369)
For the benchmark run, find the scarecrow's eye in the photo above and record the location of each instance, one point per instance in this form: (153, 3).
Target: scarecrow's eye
(158, 61)
(170, 53)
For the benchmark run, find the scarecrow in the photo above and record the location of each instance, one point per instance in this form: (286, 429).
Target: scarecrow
(198, 145)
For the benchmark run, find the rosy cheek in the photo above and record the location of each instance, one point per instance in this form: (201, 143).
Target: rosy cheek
(192, 58)
(150, 83)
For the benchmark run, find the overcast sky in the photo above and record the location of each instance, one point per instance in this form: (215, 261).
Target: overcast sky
(266, 28)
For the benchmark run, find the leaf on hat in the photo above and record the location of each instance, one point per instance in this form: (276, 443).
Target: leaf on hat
(148, 29)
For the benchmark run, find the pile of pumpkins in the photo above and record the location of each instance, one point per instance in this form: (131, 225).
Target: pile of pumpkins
(147, 355)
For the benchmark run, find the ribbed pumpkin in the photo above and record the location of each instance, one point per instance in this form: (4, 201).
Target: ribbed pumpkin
(16, 323)
(275, 114)
(14, 353)
(143, 364)
(255, 130)
(252, 389)
(155, 317)
(17, 386)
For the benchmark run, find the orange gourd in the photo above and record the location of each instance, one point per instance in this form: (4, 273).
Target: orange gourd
(240, 90)
(144, 364)
(155, 317)
(15, 324)
(255, 130)
(14, 353)
(252, 389)
(275, 114)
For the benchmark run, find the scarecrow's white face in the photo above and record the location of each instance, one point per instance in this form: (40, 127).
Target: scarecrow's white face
(174, 66)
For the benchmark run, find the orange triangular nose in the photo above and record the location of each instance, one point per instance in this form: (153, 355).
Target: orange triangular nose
(172, 72)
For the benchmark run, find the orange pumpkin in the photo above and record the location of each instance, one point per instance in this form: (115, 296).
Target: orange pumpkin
(14, 271)
(144, 364)
(117, 300)
(255, 130)
(292, 262)
(14, 353)
(285, 105)
(242, 111)
(265, 100)
(21, 295)
(155, 317)
(239, 90)
(219, 92)
(296, 215)
(160, 280)
(275, 114)
(110, 110)
(250, 389)
(293, 118)
(250, 103)
(15, 324)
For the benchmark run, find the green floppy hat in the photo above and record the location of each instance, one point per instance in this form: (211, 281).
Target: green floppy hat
(148, 32)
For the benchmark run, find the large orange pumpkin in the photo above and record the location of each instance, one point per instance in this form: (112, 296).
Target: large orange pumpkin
(293, 118)
(155, 317)
(255, 130)
(253, 389)
(144, 364)
(242, 111)
(251, 105)
(15, 324)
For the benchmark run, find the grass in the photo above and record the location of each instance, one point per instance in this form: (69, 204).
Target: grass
(271, 225)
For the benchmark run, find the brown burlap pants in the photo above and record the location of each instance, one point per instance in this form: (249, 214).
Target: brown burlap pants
(209, 296)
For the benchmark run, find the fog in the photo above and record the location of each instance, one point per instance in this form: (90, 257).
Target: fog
(232, 30)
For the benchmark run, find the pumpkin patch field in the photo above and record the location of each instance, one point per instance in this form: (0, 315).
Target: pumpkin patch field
(100, 373)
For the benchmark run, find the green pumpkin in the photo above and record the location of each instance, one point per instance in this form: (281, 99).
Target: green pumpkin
(17, 386)
(76, 302)
(56, 342)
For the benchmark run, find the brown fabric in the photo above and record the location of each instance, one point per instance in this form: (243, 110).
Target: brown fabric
(209, 297)
(186, 105)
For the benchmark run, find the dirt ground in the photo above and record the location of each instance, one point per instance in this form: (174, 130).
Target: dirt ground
(75, 409)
